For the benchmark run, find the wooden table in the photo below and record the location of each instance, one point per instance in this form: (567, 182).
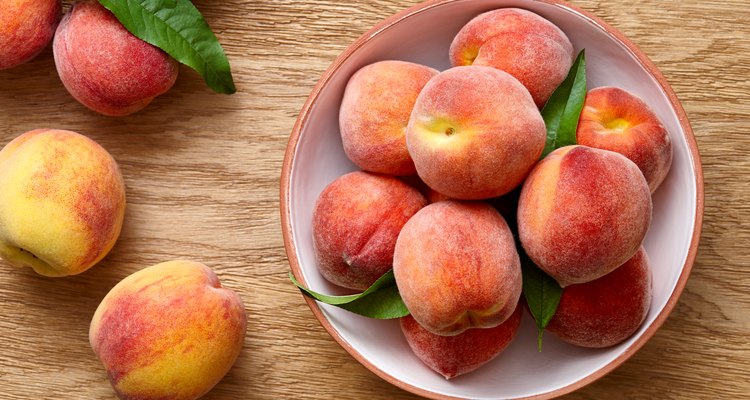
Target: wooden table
(202, 174)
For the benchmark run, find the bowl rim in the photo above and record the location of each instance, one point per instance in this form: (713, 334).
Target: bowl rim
(400, 17)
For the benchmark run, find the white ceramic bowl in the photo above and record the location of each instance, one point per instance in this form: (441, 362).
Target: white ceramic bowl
(315, 157)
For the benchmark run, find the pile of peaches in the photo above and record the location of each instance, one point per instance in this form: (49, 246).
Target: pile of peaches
(453, 186)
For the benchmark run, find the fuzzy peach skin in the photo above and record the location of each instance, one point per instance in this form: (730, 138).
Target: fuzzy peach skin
(62, 202)
(474, 133)
(608, 310)
(615, 119)
(104, 66)
(356, 221)
(26, 27)
(451, 356)
(519, 42)
(169, 331)
(375, 111)
(582, 213)
(456, 267)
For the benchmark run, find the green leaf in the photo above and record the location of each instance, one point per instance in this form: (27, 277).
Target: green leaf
(381, 300)
(178, 28)
(542, 294)
(564, 107)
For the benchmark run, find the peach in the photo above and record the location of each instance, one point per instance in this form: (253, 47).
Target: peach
(375, 111)
(608, 310)
(616, 120)
(519, 42)
(456, 267)
(169, 331)
(451, 356)
(356, 221)
(474, 133)
(582, 213)
(26, 27)
(104, 66)
(62, 202)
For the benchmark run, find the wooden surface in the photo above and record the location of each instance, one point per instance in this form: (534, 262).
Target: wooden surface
(202, 173)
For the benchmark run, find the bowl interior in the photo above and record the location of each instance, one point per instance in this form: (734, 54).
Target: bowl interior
(423, 36)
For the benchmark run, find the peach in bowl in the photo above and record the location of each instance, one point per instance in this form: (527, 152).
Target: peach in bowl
(423, 35)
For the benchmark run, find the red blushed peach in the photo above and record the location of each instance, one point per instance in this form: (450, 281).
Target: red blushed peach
(169, 331)
(614, 119)
(356, 221)
(474, 133)
(26, 27)
(104, 66)
(519, 42)
(582, 213)
(62, 202)
(451, 356)
(375, 111)
(456, 267)
(608, 310)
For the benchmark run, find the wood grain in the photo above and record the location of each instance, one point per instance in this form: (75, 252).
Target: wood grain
(202, 173)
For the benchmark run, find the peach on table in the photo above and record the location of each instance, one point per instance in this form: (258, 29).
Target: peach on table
(26, 28)
(168, 331)
(104, 66)
(62, 202)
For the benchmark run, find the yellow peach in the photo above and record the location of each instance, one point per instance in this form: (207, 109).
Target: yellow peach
(169, 331)
(62, 202)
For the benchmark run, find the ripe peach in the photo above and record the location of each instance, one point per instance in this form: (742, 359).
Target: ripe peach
(583, 212)
(452, 356)
(608, 310)
(614, 119)
(356, 221)
(474, 133)
(104, 66)
(62, 202)
(26, 27)
(519, 42)
(375, 111)
(456, 267)
(169, 331)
